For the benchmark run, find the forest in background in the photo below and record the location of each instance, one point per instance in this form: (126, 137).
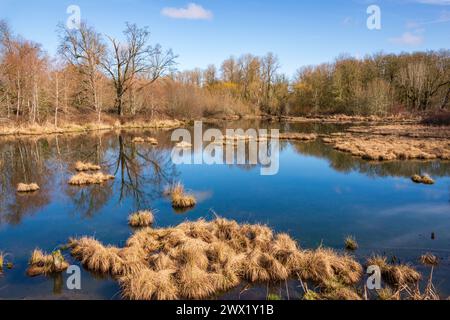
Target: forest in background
(95, 77)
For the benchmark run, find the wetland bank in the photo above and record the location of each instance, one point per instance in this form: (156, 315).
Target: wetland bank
(319, 198)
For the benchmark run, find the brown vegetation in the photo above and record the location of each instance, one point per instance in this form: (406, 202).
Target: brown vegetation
(49, 129)
(81, 166)
(2, 261)
(298, 136)
(183, 145)
(44, 264)
(429, 259)
(410, 131)
(426, 179)
(197, 260)
(353, 119)
(86, 179)
(149, 140)
(141, 219)
(351, 244)
(386, 148)
(23, 187)
(180, 199)
(397, 276)
(100, 75)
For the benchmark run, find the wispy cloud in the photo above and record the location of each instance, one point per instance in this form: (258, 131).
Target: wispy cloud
(191, 12)
(408, 39)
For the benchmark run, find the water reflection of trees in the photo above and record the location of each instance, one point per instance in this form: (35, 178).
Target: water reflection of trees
(23, 161)
(142, 172)
(343, 162)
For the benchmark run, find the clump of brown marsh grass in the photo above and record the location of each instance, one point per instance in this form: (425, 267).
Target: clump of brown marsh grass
(298, 136)
(86, 178)
(389, 148)
(183, 145)
(198, 260)
(429, 259)
(149, 140)
(351, 244)
(426, 179)
(325, 265)
(180, 199)
(2, 261)
(23, 187)
(44, 264)
(82, 166)
(141, 219)
(395, 275)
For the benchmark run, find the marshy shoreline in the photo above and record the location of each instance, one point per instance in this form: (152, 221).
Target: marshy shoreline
(168, 261)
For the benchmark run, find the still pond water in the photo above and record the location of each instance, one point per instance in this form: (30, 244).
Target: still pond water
(319, 197)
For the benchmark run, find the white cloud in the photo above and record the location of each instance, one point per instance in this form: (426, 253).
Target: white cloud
(408, 39)
(191, 12)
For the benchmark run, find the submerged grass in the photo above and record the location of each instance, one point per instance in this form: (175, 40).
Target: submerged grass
(86, 178)
(23, 187)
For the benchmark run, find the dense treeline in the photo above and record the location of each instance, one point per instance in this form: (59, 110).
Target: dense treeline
(378, 84)
(94, 75)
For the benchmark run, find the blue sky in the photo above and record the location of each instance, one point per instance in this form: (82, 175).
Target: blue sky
(300, 32)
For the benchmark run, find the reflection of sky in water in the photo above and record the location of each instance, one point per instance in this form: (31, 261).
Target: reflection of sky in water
(319, 196)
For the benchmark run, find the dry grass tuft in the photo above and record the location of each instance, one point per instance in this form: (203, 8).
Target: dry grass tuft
(198, 260)
(86, 179)
(45, 264)
(183, 145)
(82, 166)
(337, 291)
(2, 261)
(395, 275)
(426, 179)
(149, 140)
(298, 136)
(391, 147)
(23, 187)
(387, 294)
(141, 219)
(351, 244)
(429, 259)
(180, 199)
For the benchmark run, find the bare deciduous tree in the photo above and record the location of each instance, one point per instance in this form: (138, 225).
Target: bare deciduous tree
(135, 58)
(84, 48)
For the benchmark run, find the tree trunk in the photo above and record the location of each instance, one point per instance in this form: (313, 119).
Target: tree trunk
(56, 101)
